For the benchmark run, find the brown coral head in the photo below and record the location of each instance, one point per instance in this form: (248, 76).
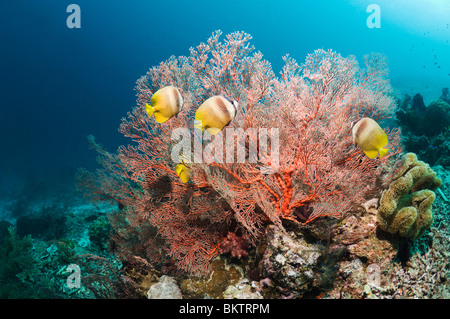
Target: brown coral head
(405, 208)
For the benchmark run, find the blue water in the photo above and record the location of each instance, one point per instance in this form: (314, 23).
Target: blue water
(58, 84)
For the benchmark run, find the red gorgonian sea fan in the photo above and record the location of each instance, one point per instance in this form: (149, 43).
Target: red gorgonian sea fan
(310, 170)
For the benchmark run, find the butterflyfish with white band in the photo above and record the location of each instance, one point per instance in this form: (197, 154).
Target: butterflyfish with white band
(215, 113)
(370, 137)
(165, 104)
(183, 170)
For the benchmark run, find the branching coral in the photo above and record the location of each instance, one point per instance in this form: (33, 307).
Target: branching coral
(405, 208)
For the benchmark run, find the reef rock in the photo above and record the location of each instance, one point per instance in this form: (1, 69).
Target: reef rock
(436, 117)
(223, 274)
(445, 96)
(243, 290)
(166, 288)
(289, 261)
(367, 247)
(359, 234)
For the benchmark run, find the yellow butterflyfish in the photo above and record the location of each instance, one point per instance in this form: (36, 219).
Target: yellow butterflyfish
(370, 137)
(215, 113)
(183, 169)
(165, 104)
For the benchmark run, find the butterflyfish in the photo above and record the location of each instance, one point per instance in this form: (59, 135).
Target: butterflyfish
(165, 104)
(370, 137)
(183, 170)
(215, 113)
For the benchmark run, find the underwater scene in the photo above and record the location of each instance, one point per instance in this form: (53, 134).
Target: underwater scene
(257, 150)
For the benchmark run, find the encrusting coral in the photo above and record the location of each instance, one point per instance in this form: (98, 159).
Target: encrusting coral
(405, 208)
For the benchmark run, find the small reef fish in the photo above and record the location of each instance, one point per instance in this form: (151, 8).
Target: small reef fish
(215, 113)
(370, 137)
(166, 103)
(183, 170)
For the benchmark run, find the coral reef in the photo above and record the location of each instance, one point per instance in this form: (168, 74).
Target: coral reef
(364, 245)
(445, 96)
(17, 267)
(423, 120)
(223, 274)
(405, 208)
(289, 261)
(4, 230)
(360, 237)
(373, 268)
(47, 223)
(99, 232)
(237, 246)
(427, 275)
(35, 265)
(437, 115)
(166, 288)
(314, 173)
(234, 231)
(425, 131)
(243, 290)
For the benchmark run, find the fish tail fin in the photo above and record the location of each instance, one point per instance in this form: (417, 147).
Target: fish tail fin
(149, 109)
(198, 124)
(383, 152)
(178, 169)
(183, 172)
(370, 153)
